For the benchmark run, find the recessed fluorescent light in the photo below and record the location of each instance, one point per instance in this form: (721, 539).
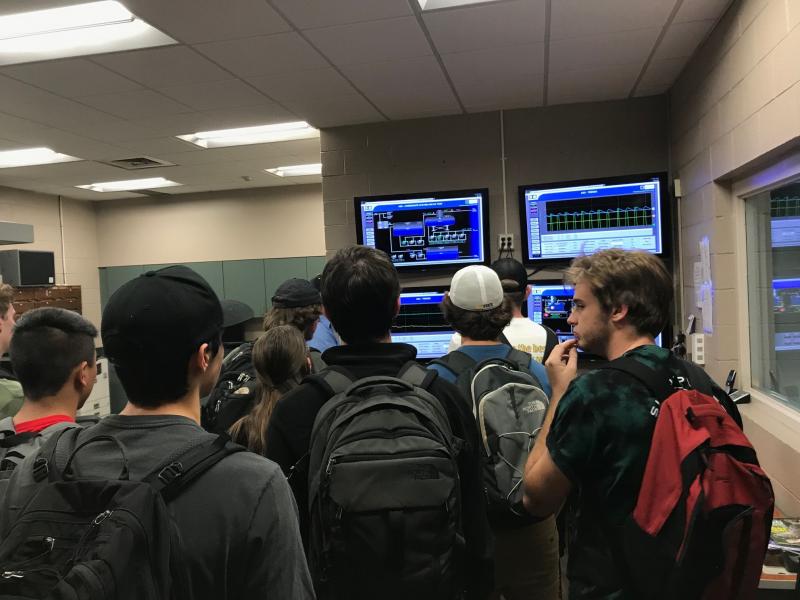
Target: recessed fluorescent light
(261, 134)
(32, 156)
(129, 185)
(297, 170)
(435, 4)
(74, 30)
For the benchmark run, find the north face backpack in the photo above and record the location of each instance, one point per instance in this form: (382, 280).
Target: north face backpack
(702, 518)
(93, 539)
(384, 491)
(237, 371)
(509, 406)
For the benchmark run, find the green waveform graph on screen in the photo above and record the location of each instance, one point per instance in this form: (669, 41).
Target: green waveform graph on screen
(612, 218)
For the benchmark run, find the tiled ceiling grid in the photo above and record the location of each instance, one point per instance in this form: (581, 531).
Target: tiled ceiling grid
(328, 62)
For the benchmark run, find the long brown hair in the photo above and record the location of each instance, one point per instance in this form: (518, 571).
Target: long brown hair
(280, 361)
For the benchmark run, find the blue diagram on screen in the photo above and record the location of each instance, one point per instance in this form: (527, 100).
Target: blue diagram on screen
(425, 231)
(420, 323)
(564, 222)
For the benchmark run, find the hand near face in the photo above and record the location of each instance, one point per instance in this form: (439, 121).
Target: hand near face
(562, 366)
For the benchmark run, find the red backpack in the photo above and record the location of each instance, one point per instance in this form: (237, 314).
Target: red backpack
(702, 519)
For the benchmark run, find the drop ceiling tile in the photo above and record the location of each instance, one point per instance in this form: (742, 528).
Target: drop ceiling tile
(299, 85)
(310, 14)
(682, 39)
(264, 55)
(136, 104)
(579, 18)
(487, 26)
(700, 10)
(405, 88)
(155, 147)
(71, 78)
(374, 41)
(219, 94)
(643, 92)
(210, 20)
(164, 67)
(333, 111)
(9, 145)
(508, 77)
(589, 85)
(662, 72)
(68, 143)
(630, 47)
(265, 113)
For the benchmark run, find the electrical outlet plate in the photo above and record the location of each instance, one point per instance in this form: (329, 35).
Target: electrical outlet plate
(505, 241)
(698, 348)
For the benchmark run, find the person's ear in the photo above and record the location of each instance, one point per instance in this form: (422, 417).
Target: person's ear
(397, 307)
(618, 314)
(202, 357)
(527, 291)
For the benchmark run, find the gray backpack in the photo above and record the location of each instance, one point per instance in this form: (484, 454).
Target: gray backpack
(14, 447)
(509, 407)
(384, 490)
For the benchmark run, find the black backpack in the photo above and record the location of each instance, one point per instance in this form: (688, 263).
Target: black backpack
(237, 371)
(384, 491)
(93, 539)
(509, 407)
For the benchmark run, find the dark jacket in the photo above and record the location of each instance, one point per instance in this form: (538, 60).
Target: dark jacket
(289, 436)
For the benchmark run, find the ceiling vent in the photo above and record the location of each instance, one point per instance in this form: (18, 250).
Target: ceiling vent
(139, 162)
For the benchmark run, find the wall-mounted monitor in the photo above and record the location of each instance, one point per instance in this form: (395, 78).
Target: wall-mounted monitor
(550, 303)
(427, 230)
(563, 220)
(786, 307)
(420, 322)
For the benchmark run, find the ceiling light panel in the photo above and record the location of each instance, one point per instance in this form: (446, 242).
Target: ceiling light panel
(76, 30)
(26, 157)
(261, 134)
(297, 170)
(129, 185)
(437, 4)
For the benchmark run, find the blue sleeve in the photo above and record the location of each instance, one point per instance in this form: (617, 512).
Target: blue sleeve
(444, 372)
(540, 373)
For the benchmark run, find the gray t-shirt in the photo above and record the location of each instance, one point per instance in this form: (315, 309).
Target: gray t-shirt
(238, 521)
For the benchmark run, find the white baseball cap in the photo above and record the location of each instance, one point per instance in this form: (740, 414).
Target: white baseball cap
(476, 288)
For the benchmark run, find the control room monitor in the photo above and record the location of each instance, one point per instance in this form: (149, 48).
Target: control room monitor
(420, 322)
(430, 230)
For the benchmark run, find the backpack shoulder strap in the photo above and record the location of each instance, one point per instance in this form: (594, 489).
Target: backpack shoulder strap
(171, 478)
(332, 380)
(503, 339)
(317, 364)
(456, 362)
(653, 380)
(520, 358)
(10, 441)
(417, 375)
(551, 341)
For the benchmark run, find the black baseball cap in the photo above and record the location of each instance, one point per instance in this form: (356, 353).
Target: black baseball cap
(509, 269)
(295, 292)
(235, 312)
(162, 315)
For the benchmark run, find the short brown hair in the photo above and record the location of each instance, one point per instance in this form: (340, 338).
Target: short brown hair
(301, 317)
(6, 298)
(636, 279)
(483, 325)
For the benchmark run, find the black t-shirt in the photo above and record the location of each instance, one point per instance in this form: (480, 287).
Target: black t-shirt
(600, 439)
(289, 437)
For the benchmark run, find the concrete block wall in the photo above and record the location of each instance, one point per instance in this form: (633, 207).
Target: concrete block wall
(80, 239)
(736, 109)
(557, 143)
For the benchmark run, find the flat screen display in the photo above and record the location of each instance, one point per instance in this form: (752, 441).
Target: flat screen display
(565, 220)
(550, 304)
(421, 324)
(786, 306)
(429, 230)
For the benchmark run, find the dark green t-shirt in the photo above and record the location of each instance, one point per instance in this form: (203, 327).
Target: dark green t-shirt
(600, 439)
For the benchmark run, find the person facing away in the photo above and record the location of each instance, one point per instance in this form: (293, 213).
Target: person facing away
(361, 295)
(236, 521)
(325, 335)
(281, 361)
(521, 333)
(297, 303)
(53, 355)
(526, 558)
(596, 437)
(11, 395)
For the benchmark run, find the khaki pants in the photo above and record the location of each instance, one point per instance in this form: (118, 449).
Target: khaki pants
(526, 563)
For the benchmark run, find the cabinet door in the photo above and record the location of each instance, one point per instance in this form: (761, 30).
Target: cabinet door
(314, 265)
(115, 277)
(211, 271)
(244, 281)
(278, 270)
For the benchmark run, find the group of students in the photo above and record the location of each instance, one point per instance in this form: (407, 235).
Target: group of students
(367, 474)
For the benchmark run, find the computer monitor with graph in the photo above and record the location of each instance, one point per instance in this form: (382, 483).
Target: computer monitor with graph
(420, 322)
(564, 220)
(786, 306)
(550, 303)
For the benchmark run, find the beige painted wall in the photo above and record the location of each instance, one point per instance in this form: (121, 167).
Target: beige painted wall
(735, 109)
(464, 151)
(80, 239)
(232, 225)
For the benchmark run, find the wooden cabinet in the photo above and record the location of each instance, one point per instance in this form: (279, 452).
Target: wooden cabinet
(58, 296)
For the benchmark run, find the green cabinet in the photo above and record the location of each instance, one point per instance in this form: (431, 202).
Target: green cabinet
(278, 270)
(244, 281)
